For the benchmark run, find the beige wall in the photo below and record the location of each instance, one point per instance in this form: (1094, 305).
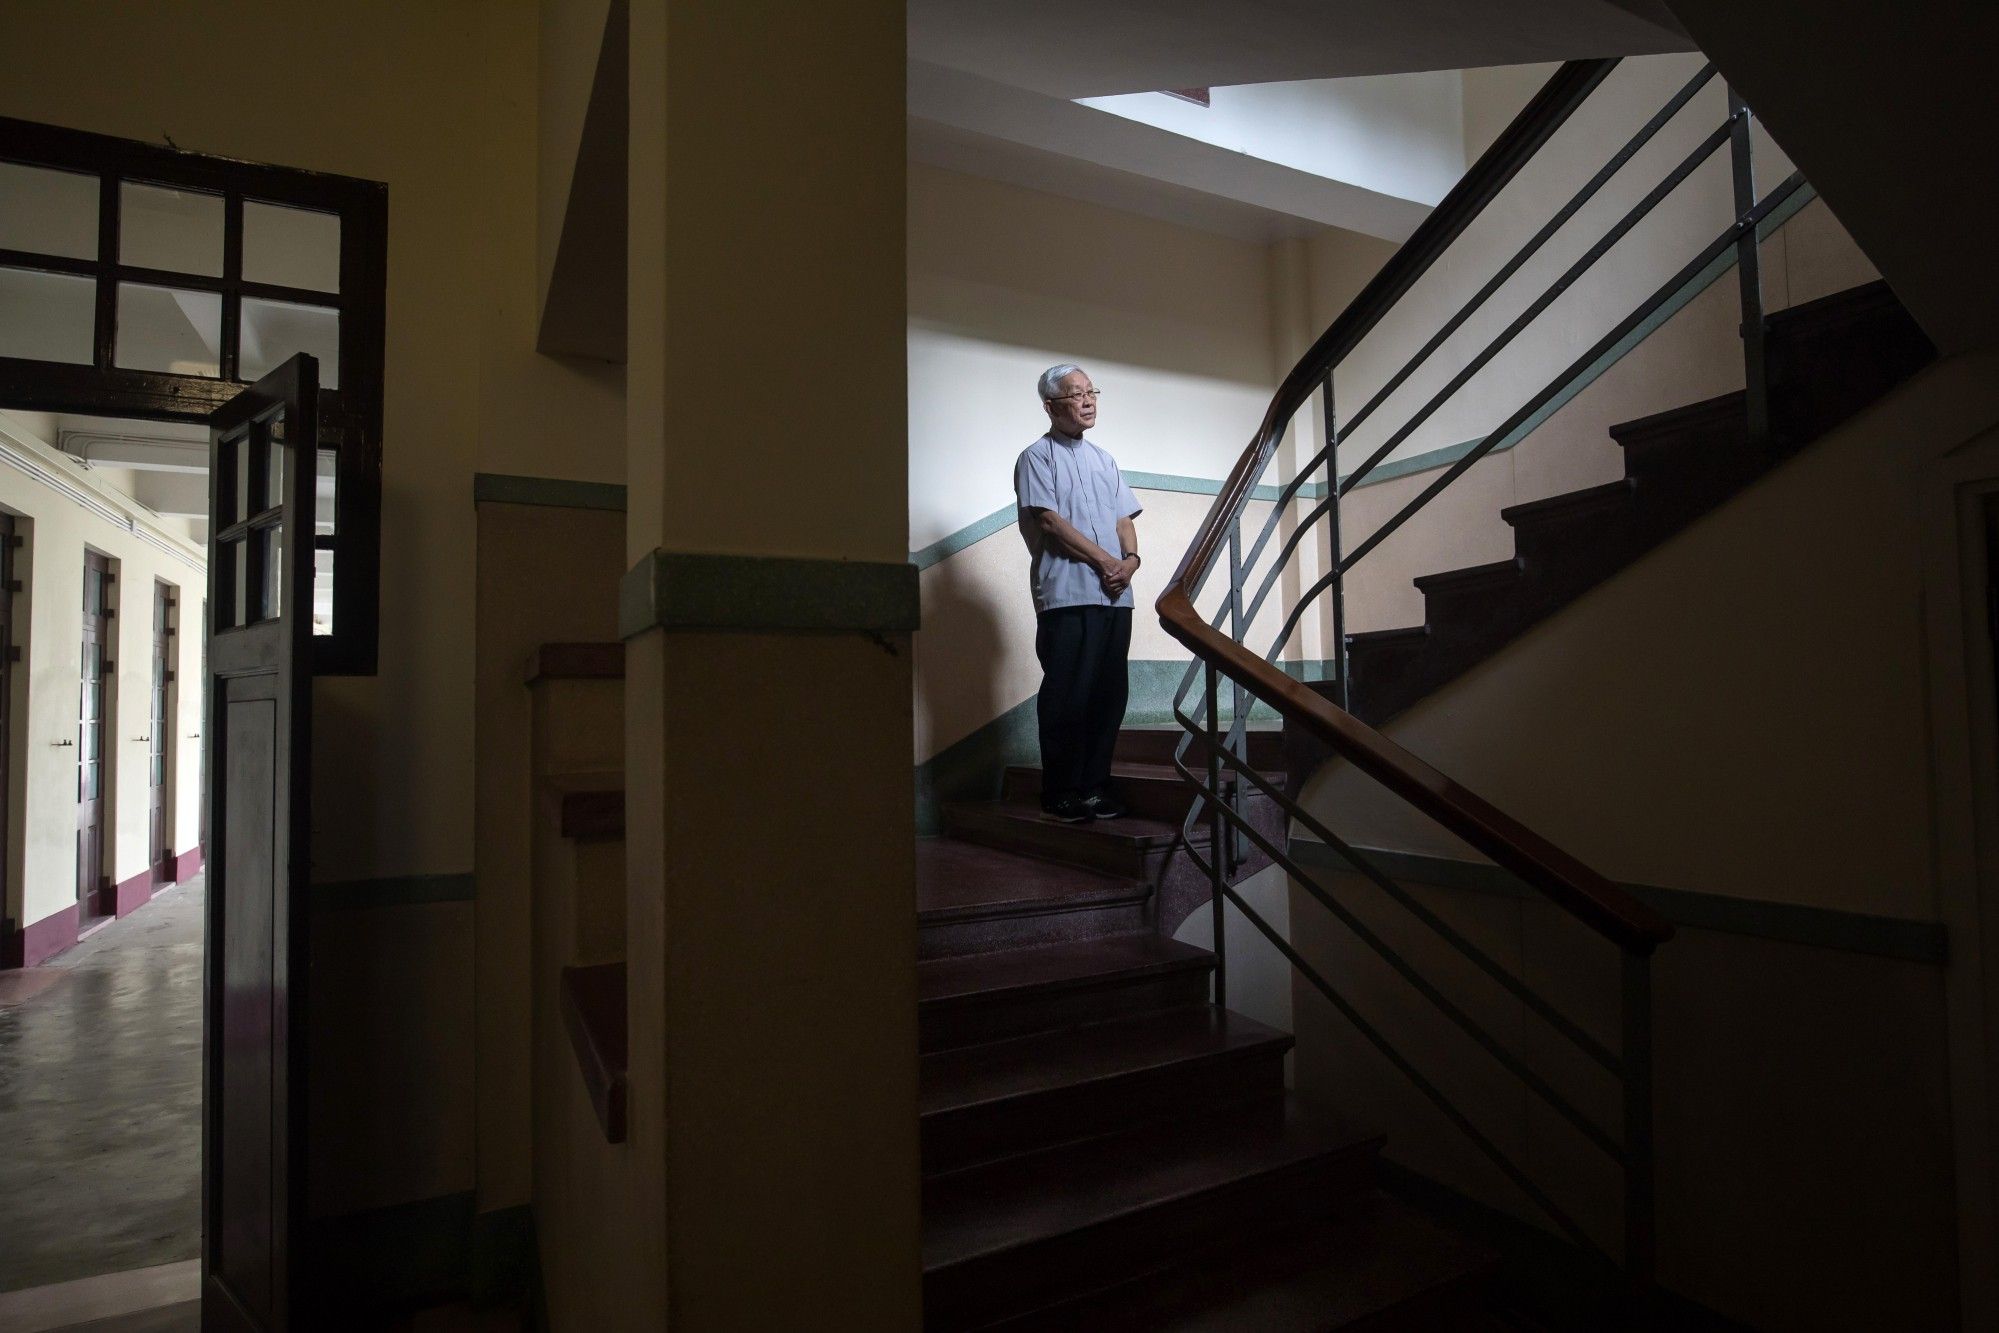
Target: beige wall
(1743, 713)
(772, 965)
(56, 528)
(438, 101)
(1186, 333)
(1173, 324)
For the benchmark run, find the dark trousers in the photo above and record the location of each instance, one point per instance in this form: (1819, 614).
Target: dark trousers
(1083, 688)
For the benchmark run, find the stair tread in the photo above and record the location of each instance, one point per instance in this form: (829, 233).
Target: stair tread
(1132, 829)
(957, 879)
(1052, 966)
(1395, 634)
(1378, 1255)
(1132, 771)
(1725, 407)
(1607, 496)
(1498, 571)
(971, 1076)
(992, 1209)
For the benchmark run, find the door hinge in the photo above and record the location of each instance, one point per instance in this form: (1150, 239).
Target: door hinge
(13, 653)
(13, 585)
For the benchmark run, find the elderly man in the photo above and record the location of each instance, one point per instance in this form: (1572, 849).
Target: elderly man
(1076, 514)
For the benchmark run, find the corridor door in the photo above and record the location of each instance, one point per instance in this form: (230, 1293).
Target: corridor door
(262, 452)
(159, 740)
(93, 694)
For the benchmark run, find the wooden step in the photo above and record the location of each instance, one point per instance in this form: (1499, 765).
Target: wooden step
(980, 1103)
(1155, 745)
(971, 898)
(1377, 1265)
(988, 997)
(1592, 511)
(1026, 1233)
(1150, 791)
(1128, 848)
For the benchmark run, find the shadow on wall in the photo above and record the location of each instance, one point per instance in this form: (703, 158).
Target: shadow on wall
(961, 639)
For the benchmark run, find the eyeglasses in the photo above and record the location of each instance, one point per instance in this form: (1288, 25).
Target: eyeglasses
(1079, 395)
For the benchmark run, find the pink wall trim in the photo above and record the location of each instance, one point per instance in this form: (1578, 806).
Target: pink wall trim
(51, 935)
(41, 940)
(134, 893)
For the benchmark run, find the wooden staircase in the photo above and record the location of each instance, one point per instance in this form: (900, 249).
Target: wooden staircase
(1828, 359)
(1103, 1148)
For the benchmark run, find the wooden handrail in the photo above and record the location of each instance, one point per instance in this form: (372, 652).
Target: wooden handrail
(1566, 881)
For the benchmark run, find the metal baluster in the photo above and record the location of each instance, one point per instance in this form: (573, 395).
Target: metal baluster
(1749, 268)
(1333, 530)
(1238, 695)
(1637, 1078)
(1217, 837)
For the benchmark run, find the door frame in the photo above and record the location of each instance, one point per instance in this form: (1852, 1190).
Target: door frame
(95, 902)
(163, 695)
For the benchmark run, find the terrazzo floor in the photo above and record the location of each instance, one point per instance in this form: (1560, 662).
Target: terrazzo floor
(100, 1100)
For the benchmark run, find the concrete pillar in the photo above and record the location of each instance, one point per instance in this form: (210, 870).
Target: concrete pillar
(771, 906)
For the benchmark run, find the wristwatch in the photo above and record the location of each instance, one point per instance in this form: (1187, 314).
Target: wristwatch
(1131, 555)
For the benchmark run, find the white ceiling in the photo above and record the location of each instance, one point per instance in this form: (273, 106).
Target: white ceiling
(1088, 48)
(992, 89)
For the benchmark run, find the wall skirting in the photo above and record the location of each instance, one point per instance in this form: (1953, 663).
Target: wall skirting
(128, 896)
(427, 1250)
(1791, 923)
(969, 769)
(678, 590)
(39, 941)
(56, 933)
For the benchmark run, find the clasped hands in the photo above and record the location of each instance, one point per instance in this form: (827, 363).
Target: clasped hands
(1115, 575)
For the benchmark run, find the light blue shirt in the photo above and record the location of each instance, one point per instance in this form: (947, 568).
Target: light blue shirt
(1082, 483)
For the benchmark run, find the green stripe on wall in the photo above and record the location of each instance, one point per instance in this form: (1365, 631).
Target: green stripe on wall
(970, 769)
(681, 590)
(505, 488)
(1792, 923)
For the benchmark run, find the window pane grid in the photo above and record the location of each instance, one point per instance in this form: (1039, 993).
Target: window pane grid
(190, 281)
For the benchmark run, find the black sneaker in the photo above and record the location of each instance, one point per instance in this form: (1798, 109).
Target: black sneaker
(1104, 807)
(1069, 810)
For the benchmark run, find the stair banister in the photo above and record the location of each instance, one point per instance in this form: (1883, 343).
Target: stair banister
(1215, 643)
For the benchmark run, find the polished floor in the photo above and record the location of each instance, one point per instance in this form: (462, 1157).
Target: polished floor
(100, 1100)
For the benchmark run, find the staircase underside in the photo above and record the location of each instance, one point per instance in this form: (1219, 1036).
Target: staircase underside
(1828, 359)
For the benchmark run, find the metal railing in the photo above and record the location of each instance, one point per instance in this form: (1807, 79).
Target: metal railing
(1218, 766)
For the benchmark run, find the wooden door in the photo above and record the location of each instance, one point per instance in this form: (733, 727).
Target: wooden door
(159, 740)
(10, 541)
(259, 704)
(92, 730)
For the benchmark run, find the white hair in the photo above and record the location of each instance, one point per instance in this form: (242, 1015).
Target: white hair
(1050, 383)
